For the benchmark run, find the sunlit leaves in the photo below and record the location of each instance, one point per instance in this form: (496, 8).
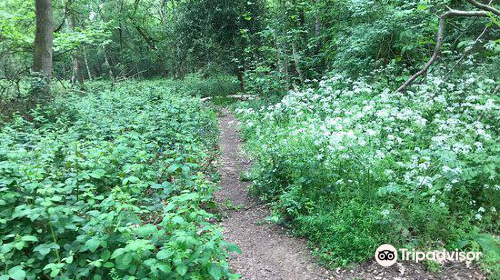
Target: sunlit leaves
(17, 272)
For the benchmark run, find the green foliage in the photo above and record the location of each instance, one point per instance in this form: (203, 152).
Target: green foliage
(109, 186)
(16, 28)
(97, 34)
(355, 37)
(351, 164)
(264, 81)
(219, 86)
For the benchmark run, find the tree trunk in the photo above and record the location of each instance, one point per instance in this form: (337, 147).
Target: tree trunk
(297, 62)
(87, 63)
(77, 75)
(282, 57)
(42, 56)
(77, 72)
(317, 22)
(239, 72)
(110, 70)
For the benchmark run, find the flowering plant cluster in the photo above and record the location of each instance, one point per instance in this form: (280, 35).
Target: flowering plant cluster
(351, 163)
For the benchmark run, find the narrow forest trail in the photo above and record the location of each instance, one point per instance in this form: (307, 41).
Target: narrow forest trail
(267, 252)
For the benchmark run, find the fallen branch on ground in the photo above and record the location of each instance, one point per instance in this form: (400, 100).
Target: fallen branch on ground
(235, 96)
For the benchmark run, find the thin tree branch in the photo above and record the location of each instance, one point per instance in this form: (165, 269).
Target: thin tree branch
(466, 53)
(439, 41)
(484, 7)
(66, 9)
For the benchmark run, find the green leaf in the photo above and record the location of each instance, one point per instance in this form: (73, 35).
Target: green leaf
(488, 243)
(44, 249)
(5, 248)
(181, 269)
(164, 267)
(146, 230)
(131, 179)
(29, 238)
(173, 167)
(164, 254)
(105, 255)
(232, 248)
(54, 272)
(117, 252)
(91, 244)
(124, 260)
(17, 273)
(97, 174)
(421, 7)
(390, 189)
(215, 270)
(178, 220)
(68, 259)
(19, 245)
(139, 244)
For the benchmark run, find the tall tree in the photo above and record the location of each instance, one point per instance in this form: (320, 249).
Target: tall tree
(42, 57)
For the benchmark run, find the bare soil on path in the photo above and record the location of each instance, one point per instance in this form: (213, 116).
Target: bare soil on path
(268, 252)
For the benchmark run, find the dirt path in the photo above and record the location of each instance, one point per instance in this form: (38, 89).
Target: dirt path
(268, 253)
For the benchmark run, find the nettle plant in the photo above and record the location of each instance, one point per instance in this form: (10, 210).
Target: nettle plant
(352, 164)
(109, 186)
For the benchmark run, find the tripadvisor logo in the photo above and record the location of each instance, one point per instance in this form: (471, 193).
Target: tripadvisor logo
(386, 255)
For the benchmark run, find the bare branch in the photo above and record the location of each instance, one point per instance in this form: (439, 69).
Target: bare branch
(66, 12)
(484, 7)
(467, 52)
(439, 41)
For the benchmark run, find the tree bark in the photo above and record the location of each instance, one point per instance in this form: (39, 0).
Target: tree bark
(77, 72)
(297, 62)
(87, 63)
(110, 69)
(282, 59)
(485, 7)
(317, 22)
(42, 56)
(239, 72)
(77, 75)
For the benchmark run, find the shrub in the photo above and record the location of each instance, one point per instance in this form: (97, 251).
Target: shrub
(352, 164)
(108, 186)
(216, 86)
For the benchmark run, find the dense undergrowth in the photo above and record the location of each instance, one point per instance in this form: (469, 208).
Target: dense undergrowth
(351, 164)
(111, 185)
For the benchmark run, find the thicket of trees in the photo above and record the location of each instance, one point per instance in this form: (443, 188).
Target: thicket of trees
(115, 39)
(274, 43)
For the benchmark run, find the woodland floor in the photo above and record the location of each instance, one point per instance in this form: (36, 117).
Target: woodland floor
(268, 252)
